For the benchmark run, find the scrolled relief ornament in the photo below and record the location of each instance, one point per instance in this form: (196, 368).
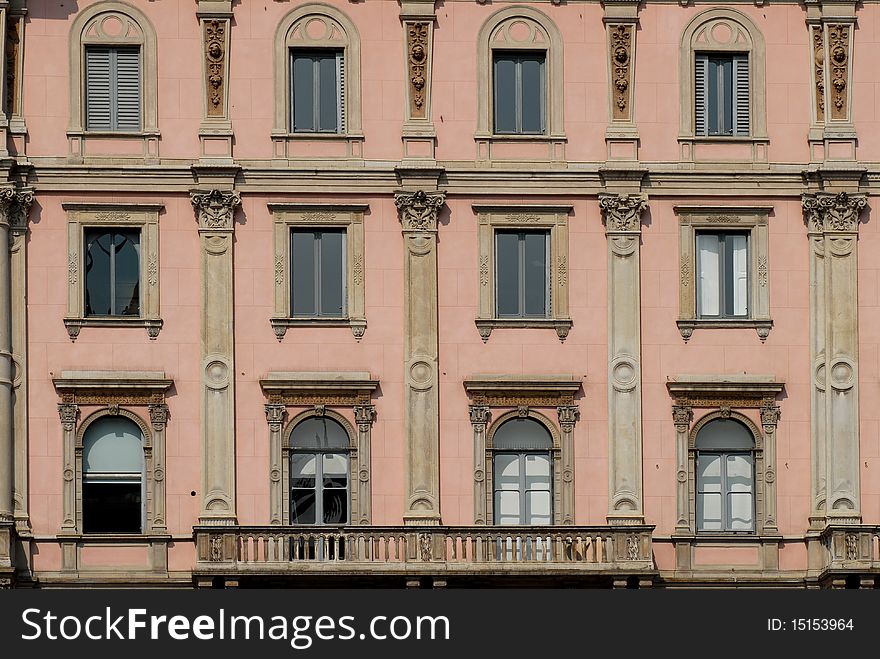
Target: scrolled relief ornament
(621, 45)
(417, 51)
(825, 212)
(215, 54)
(419, 210)
(15, 204)
(622, 212)
(216, 208)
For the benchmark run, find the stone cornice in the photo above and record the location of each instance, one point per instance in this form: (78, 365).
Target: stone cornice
(318, 388)
(690, 389)
(516, 390)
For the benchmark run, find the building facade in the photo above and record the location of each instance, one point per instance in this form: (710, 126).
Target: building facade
(487, 293)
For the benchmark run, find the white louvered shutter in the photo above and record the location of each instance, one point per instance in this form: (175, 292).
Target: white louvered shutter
(340, 78)
(709, 260)
(740, 274)
(701, 95)
(98, 94)
(128, 89)
(741, 97)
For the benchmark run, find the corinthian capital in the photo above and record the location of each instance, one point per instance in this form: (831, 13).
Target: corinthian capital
(826, 212)
(418, 210)
(214, 209)
(14, 206)
(622, 212)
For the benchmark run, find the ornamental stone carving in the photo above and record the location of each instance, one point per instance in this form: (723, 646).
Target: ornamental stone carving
(13, 45)
(681, 416)
(829, 213)
(68, 414)
(568, 416)
(479, 416)
(419, 210)
(215, 209)
(14, 206)
(621, 58)
(215, 56)
(364, 416)
(819, 71)
(838, 52)
(417, 54)
(274, 417)
(158, 416)
(622, 212)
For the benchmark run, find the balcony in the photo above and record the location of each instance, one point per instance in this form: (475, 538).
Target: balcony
(441, 552)
(852, 555)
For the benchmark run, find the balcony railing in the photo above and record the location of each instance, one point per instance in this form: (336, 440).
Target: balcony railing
(852, 547)
(438, 549)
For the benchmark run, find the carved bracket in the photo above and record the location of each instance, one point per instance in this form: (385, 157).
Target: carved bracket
(830, 213)
(622, 212)
(215, 209)
(419, 210)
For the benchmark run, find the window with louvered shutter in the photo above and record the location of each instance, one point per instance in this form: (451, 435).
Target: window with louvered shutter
(113, 89)
(741, 100)
(317, 84)
(701, 94)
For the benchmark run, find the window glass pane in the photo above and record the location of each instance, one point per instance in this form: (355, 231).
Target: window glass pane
(112, 507)
(329, 92)
(113, 444)
(725, 72)
(713, 99)
(724, 434)
(532, 94)
(741, 511)
(507, 273)
(522, 434)
(538, 507)
(303, 89)
(302, 470)
(536, 274)
(537, 470)
(302, 267)
(740, 274)
(335, 504)
(506, 471)
(709, 511)
(739, 472)
(334, 470)
(319, 432)
(505, 94)
(332, 273)
(127, 248)
(507, 508)
(709, 260)
(302, 506)
(97, 273)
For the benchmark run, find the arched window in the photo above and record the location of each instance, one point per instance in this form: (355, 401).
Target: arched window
(722, 82)
(519, 55)
(113, 76)
(522, 473)
(317, 76)
(725, 477)
(113, 476)
(320, 472)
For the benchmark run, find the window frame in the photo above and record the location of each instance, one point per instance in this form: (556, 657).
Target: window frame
(700, 36)
(112, 231)
(86, 216)
(522, 270)
(749, 220)
(113, 83)
(317, 81)
(319, 466)
(758, 489)
(542, 35)
(345, 217)
(724, 282)
(523, 218)
(518, 56)
(86, 31)
(318, 285)
(340, 34)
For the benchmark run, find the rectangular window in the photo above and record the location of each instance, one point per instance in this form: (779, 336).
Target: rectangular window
(113, 88)
(725, 497)
(317, 91)
(722, 94)
(112, 272)
(317, 266)
(522, 274)
(519, 96)
(723, 281)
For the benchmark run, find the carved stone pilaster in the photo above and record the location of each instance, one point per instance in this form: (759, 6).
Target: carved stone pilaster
(418, 216)
(68, 414)
(417, 52)
(832, 226)
(215, 210)
(215, 130)
(419, 137)
(622, 217)
(362, 509)
(480, 415)
(568, 416)
(839, 69)
(275, 419)
(681, 417)
(819, 71)
(620, 38)
(769, 421)
(215, 31)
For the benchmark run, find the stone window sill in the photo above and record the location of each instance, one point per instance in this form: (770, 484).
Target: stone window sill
(280, 325)
(762, 326)
(486, 325)
(317, 146)
(74, 325)
(510, 149)
(748, 149)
